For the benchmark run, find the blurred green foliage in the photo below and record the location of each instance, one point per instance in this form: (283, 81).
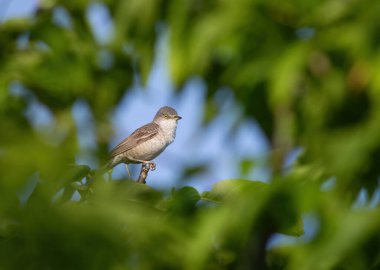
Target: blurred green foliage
(307, 71)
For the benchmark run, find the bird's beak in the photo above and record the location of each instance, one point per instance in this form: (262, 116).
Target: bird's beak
(178, 117)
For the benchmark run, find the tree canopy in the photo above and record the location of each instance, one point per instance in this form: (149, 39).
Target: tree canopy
(306, 71)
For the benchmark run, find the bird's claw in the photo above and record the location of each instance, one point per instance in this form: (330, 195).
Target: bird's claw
(152, 166)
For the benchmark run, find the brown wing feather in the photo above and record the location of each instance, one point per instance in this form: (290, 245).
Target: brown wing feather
(140, 135)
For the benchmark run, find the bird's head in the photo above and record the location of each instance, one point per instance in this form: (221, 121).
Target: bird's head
(166, 114)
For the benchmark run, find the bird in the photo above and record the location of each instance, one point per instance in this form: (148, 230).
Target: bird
(146, 142)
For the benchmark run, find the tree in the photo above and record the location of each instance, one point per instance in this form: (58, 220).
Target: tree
(305, 70)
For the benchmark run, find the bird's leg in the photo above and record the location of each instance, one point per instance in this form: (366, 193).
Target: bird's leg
(152, 165)
(129, 173)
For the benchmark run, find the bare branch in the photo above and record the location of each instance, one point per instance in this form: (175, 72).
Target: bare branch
(143, 173)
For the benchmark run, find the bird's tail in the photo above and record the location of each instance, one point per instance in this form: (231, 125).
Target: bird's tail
(109, 165)
(107, 168)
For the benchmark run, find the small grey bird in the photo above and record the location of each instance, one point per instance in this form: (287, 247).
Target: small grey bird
(148, 141)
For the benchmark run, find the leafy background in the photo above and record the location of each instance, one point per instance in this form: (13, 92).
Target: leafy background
(304, 71)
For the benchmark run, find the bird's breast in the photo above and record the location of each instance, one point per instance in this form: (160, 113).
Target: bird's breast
(168, 130)
(151, 148)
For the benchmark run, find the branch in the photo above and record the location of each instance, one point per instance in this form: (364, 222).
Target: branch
(143, 173)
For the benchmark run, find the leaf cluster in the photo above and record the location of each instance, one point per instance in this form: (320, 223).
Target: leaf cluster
(306, 71)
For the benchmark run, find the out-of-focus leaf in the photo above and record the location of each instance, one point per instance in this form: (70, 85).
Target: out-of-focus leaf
(227, 189)
(191, 171)
(183, 200)
(246, 166)
(355, 230)
(295, 230)
(76, 173)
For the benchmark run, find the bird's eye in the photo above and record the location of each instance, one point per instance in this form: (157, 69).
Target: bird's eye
(166, 115)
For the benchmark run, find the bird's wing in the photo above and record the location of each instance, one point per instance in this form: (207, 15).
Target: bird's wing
(140, 135)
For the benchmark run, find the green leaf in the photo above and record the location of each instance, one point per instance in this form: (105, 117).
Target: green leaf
(75, 173)
(246, 166)
(297, 229)
(183, 200)
(227, 189)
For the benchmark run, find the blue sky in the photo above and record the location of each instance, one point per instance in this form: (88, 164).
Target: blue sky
(16, 8)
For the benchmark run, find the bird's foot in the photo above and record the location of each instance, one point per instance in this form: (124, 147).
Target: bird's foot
(152, 166)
